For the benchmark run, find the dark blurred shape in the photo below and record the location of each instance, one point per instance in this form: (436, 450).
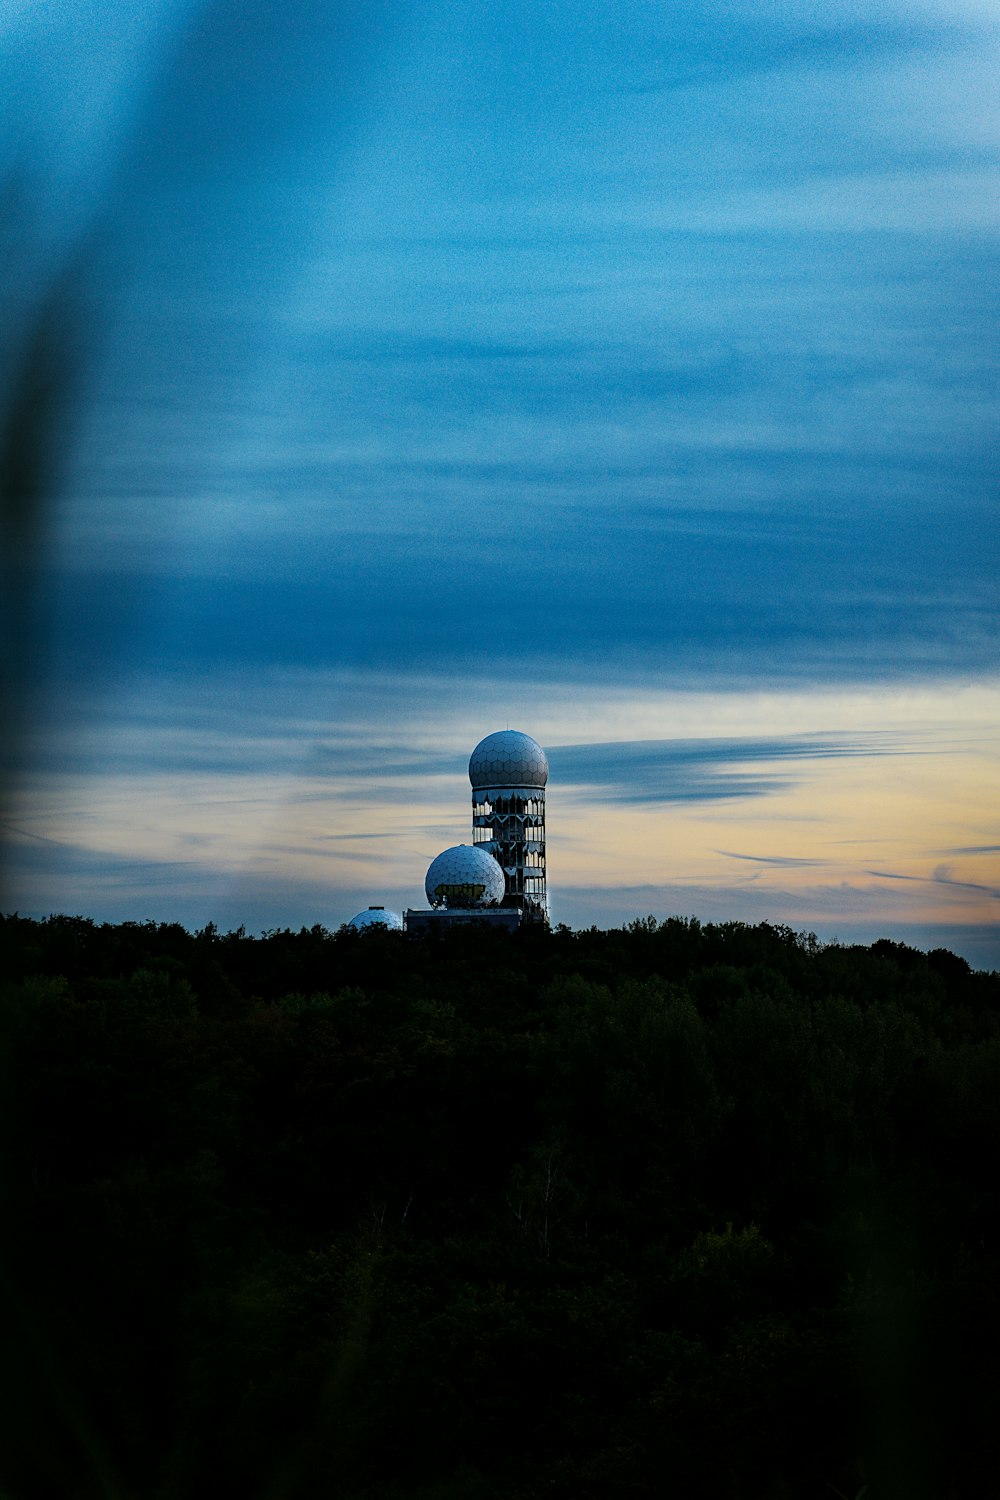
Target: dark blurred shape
(41, 370)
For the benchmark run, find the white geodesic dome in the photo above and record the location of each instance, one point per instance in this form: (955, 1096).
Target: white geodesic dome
(377, 916)
(508, 758)
(464, 876)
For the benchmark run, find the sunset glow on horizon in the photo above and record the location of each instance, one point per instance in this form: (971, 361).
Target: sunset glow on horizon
(872, 828)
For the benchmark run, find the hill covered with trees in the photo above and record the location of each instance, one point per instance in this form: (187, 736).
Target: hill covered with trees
(671, 1210)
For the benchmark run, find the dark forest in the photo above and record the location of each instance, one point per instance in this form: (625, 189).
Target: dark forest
(678, 1209)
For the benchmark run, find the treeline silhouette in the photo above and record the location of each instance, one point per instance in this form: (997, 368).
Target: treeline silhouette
(678, 1209)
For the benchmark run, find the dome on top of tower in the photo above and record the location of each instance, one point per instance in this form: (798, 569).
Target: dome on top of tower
(464, 876)
(508, 758)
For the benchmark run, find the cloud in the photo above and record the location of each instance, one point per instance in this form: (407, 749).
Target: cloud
(66, 865)
(720, 51)
(672, 607)
(700, 770)
(939, 877)
(784, 860)
(19, 833)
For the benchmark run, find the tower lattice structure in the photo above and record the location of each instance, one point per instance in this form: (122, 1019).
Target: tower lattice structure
(509, 771)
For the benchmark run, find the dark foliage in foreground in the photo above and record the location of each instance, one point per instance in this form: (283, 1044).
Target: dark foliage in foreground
(676, 1210)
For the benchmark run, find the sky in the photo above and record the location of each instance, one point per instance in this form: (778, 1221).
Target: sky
(626, 375)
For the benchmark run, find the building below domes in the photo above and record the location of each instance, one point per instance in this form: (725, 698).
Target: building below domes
(417, 923)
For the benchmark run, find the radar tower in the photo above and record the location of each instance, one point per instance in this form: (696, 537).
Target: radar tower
(508, 771)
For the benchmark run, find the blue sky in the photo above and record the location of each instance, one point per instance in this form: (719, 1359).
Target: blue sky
(627, 374)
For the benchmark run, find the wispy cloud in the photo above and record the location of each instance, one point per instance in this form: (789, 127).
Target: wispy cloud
(724, 51)
(786, 860)
(939, 877)
(693, 770)
(19, 832)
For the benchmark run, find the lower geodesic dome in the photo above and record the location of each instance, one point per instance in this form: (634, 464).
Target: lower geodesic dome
(464, 876)
(377, 916)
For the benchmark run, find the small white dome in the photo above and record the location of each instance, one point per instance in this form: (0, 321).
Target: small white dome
(508, 758)
(464, 876)
(377, 916)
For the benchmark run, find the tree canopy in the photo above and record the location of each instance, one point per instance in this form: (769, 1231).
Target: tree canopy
(673, 1209)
